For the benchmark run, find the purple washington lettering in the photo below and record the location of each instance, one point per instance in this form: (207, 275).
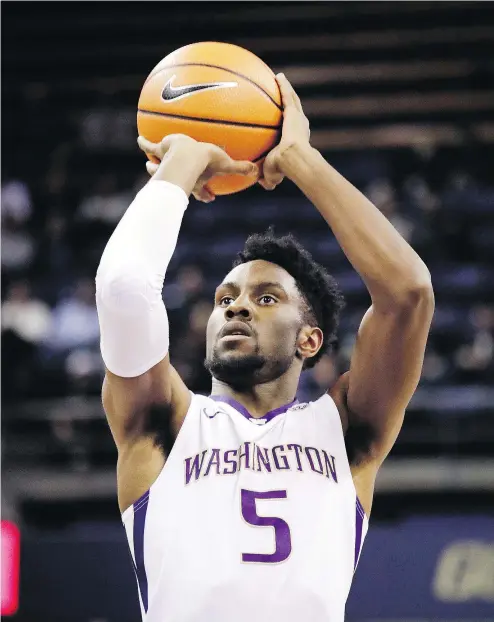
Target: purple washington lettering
(298, 451)
(228, 461)
(311, 462)
(195, 468)
(245, 454)
(330, 466)
(276, 461)
(213, 461)
(263, 458)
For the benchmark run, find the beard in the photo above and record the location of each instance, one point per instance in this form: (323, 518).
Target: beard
(236, 371)
(246, 370)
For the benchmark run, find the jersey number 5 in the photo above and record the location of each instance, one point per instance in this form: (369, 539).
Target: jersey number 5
(282, 535)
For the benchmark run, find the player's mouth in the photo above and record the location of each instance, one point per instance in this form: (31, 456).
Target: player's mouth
(234, 337)
(235, 330)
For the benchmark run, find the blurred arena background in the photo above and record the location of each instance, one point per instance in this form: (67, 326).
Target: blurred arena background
(400, 96)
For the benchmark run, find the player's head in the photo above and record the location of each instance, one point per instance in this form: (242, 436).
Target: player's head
(288, 308)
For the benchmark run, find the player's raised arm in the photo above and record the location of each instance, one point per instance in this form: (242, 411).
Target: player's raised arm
(129, 282)
(387, 360)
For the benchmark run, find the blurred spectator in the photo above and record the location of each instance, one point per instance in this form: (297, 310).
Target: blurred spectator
(17, 246)
(383, 195)
(419, 195)
(16, 201)
(24, 315)
(187, 287)
(188, 358)
(315, 382)
(75, 320)
(436, 366)
(475, 360)
(25, 323)
(180, 295)
(460, 189)
(55, 255)
(85, 369)
(105, 203)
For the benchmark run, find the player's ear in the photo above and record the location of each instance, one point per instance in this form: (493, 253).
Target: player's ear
(309, 341)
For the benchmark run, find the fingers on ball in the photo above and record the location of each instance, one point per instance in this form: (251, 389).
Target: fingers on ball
(288, 94)
(270, 184)
(151, 168)
(204, 195)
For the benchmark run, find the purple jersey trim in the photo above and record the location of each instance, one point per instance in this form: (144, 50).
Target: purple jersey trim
(242, 410)
(140, 509)
(359, 520)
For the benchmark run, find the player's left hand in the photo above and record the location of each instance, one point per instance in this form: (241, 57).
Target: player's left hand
(204, 159)
(295, 132)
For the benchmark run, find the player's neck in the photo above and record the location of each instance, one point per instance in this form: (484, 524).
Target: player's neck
(259, 399)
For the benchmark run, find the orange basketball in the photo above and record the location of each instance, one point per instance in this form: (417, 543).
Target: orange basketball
(217, 93)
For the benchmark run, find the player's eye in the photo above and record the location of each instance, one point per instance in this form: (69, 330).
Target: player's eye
(267, 299)
(225, 301)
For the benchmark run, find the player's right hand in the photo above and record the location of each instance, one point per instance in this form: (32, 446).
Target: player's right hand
(210, 160)
(295, 132)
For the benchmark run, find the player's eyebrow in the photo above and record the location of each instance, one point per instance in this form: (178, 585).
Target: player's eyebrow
(269, 285)
(228, 285)
(234, 287)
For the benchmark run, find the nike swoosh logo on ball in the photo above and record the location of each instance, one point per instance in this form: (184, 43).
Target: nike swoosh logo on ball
(171, 93)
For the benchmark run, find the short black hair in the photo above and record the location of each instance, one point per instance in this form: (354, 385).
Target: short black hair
(318, 288)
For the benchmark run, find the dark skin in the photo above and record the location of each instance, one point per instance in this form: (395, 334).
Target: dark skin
(387, 359)
(265, 297)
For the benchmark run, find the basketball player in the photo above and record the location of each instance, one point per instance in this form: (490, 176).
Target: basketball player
(246, 505)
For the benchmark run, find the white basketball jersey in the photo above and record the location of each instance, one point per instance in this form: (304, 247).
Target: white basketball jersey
(250, 520)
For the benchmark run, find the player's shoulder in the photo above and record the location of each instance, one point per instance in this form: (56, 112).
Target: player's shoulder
(324, 405)
(199, 401)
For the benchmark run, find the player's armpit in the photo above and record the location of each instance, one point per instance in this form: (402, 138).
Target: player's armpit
(384, 372)
(131, 403)
(359, 438)
(359, 435)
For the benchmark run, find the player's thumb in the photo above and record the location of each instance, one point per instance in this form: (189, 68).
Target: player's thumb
(243, 168)
(271, 175)
(147, 146)
(151, 168)
(270, 178)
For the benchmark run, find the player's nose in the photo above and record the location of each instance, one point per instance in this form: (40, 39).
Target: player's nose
(238, 309)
